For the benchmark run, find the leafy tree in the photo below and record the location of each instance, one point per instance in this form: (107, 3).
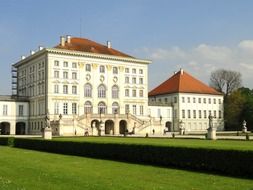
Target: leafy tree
(225, 81)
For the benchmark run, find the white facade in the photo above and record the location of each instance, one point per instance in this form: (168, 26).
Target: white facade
(191, 110)
(84, 88)
(14, 114)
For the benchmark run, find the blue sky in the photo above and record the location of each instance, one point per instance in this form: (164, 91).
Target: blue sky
(197, 35)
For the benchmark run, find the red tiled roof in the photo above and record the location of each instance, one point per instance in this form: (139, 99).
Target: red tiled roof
(85, 45)
(184, 83)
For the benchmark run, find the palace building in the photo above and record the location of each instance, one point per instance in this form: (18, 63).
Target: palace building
(89, 88)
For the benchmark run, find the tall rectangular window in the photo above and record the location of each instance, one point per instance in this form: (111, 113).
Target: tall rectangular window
(134, 109)
(183, 114)
(65, 89)
(127, 92)
(194, 100)
(199, 100)
(183, 100)
(74, 75)
(214, 113)
(188, 99)
(200, 115)
(5, 109)
(194, 114)
(87, 67)
(141, 110)
(205, 114)
(189, 114)
(126, 70)
(134, 71)
(219, 114)
(134, 93)
(141, 93)
(214, 101)
(126, 80)
(56, 108)
(21, 110)
(65, 75)
(115, 70)
(56, 63)
(140, 80)
(65, 108)
(133, 80)
(204, 100)
(74, 65)
(141, 71)
(74, 90)
(65, 64)
(127, 108)
(56, 88)
(56, 74)
(74, 108)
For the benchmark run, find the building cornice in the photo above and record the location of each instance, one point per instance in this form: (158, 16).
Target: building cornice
(81, 54)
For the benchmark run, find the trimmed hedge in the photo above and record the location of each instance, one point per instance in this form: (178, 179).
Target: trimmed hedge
(229, 162)
(7, 141)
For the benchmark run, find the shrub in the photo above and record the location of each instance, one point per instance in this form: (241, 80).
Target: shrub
(4, 140)
(230, 162)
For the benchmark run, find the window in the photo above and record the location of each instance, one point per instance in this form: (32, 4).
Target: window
(74, 90)
(188, 99)
(214, 113)
(102, 69)
(126, 70)
(56, 108)
(74, 108)
(134, 109)
(127, 108)
(209, 100)
(141, 110)
(214, 101)
(88, 67)
(74, 65)
(194, 100)
(65, 74)
(5, 109)
(87, 107)
(56, 74)
(115, 92)
(65, 64)
(65, 89)
(200, 115)
(199, 100)
(141, 93)
(219, 101)
(205, 114)
(65, 108)
(209, 112)
(101, 108)
(115, 107)
(194, 114)
(134, 80)
(74, 75)
(87, 90)
(134, 93)
(141, 71)
(183, 114)
(127, 80)
(56, 63)
(204, 100)
(56, 88)
(101, 91)
(182, 99)
(115, 70)
(175, 99)
(134, 71)
(127, 92)
(219, 114)
(140, 80)
(20, 110)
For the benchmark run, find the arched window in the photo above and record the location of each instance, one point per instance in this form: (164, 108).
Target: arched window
(115, 107)
(101, 91)
(101, 108)
(87, 90)
(88, 107)
(115, 92)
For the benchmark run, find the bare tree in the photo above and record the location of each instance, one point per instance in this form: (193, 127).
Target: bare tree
(225, 81)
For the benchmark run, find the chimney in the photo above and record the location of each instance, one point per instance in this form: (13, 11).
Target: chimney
(109, 45)
(22, 57)
(32, 52)
(41, 48)
(68, 39)
(181, 71)
(62, 40)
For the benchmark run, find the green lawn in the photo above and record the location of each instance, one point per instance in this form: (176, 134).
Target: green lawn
(218, 144)
(26, 169)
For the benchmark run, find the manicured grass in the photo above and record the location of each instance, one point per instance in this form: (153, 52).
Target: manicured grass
(217, 144)
(25, 169)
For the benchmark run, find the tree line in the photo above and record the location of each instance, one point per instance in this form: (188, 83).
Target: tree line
(238, 100)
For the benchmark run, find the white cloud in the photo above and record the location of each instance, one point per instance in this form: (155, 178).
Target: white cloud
(200, 61)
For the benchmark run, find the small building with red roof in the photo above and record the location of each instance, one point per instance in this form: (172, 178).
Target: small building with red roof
(191, 100)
